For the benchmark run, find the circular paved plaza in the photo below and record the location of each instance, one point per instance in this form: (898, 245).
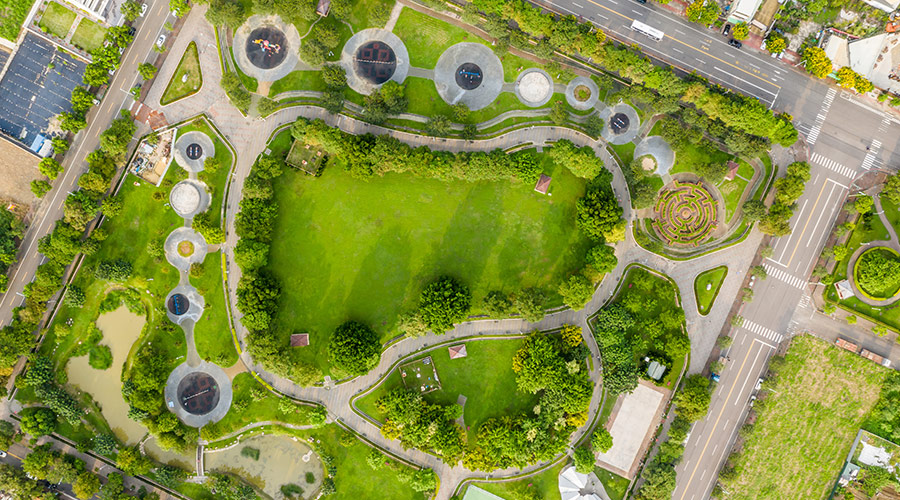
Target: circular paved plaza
(265, 47)
(469, 73)
(622, 124)
(184, 303)
(534, 87)
(184, 247)
(188, 198)
(372, 57)
(198, 395)
(582, 93)
(192, 149)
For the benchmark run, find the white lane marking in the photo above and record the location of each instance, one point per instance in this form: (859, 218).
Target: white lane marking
(832, 165)
(819, 219)
(766, 333)
(785, 277)
(579, 6)
(764, 343)
(745, 81)
(787, 242)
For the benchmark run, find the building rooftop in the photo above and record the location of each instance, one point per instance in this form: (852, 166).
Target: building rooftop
(543, 184)
(457, 351)
(299, 339)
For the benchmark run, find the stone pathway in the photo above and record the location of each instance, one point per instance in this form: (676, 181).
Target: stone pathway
(249, 137)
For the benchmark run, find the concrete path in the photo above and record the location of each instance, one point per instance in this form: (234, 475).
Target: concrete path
(249, 137)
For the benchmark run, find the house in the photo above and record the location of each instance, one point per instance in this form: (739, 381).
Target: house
(457, 351)
(655, 370)
(543, 184)
(299, 339)
(733, 167)
(742, 11)
(877, 57)
(323, 7)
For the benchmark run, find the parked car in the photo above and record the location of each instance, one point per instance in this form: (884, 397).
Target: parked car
(759, 383)
(752, 400)
(161, 40)
(727, 29)
(2, 454)
(641, 1)
(131, 31)
(143, 10)
(734, 43)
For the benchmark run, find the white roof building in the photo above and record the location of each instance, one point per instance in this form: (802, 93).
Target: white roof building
(574, 485)
(844, 290)
(742, 11)
(877, 58)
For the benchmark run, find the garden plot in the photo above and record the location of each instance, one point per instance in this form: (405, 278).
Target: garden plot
(420, 376)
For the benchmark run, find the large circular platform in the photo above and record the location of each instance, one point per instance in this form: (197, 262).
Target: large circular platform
(372, 57)
(534, 87)
(198, 395)
(182, 260)
(582, 93)
(469, 73)
(265, 47)
(184, 304)
(192, 149)
(188, 198)
(622, 124)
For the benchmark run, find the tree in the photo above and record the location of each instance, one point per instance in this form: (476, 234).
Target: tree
(179, 7)
(746, 294)
(112, 206)
(847, 77)
(443, 303)
(497, 304)
(740, 31)
(251, 254)
(334, 76)
(753, 210)
(759, 272)
(60, 145)
(38, 421)
(601, 440)
(234, 89)
(863, 85)
(692, 402)
(40, 188)
(529, 303)
(104, 444)
(225, 13)
(576, 291)
(50, 168)
(817, 63)
(86, 486)
(131, 10)
(147, 70)
(598, 213)
(891, 189)
(584, 460)
(878, 273)
(113, 270)
(268, 167)
(438, 125)
(776, 43)
(582, 162)
(132, 462)
(829, 308)
(354, 348)
(95, 75)
(82, 101)
(863, 204)
(602, 258)
(558, 114)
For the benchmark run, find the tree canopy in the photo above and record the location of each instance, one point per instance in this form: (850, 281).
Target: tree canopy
(443, 303)
(354, 348)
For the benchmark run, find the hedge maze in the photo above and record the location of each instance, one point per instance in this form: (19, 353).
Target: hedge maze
(685, 214)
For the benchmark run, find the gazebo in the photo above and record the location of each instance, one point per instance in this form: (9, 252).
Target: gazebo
(574, 485)
(543, 184)
(299, 339)
(457, 351)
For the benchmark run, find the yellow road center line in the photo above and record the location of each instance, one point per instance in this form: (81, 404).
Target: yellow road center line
(689, 46)
(713, 428)
(808, 218)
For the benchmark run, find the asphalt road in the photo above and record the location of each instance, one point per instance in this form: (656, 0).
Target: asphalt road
(51, 210)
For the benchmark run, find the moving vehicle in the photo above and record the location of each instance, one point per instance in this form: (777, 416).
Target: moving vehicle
(734, 43)
(875, 357)
(846, 344)
(647, 30)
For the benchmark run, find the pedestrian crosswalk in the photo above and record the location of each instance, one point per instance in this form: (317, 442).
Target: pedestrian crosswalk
(783, 276)
(766, 333)
(873, 150)
(820, 119)
(832, 165)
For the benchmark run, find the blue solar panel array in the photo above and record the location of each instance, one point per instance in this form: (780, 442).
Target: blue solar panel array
(31, 94)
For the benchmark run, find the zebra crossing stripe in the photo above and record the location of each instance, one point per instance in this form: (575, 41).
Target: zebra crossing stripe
(814, 135)
(833, 165)
(785, 277)
(868, 161)
(820, 118)
(763, 332)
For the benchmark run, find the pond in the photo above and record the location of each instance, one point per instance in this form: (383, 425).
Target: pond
(280, 461)
(121, 328)
(183, 460)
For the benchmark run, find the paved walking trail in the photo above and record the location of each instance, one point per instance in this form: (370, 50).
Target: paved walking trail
(249, 137)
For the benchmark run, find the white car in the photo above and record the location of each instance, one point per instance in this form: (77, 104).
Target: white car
(161, 40)
(2, 454)
(759, 383)
(143, 10)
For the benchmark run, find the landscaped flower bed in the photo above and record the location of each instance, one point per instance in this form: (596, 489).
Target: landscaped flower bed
(685, 214)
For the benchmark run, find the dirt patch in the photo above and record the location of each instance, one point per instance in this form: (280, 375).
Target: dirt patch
(186, 248)
(582, 93)
(18, 167)
(648, 163)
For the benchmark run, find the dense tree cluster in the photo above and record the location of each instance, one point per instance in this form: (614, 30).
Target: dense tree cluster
(335, 85)
(15, 483)
(234, 89)
(582, 162)
(11, 231)
(787, 190)
(354, 348)
(368, 155)
(878, 273)
(419, 424)
(598, 213)
(849, 79)
(527, 303)
(318, 43)
(885, 417)
(555, 370)
(106, 58)
(389, 99)
(443, 303)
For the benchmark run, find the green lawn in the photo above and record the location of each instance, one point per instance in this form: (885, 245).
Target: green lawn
(297, 80)
(212, 334)
(427, 38)
(266, 409)
(362, 11)
(891, 212)
(14, 14)
(543, 485)
(57, 19)
(188, 66)
(732, 191)
(806, 427)
(625, 152)
(616, 486)
(89, 35)
(214, 181)
(485, 377)
(713, 279)
(347, 248)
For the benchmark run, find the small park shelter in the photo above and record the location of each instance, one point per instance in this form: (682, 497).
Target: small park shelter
(299, 339)
(457, 351)
(543, 184)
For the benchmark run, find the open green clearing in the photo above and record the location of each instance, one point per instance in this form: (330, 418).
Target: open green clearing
(485, 377)
(427, 38)
(543, 485)
(807, 424)
(13, 16)
(178, 86)
(212, 334)
(354, 480)
(57, 19)
(306, 80)
(347, 248)
(616, 486)
(89, 35)
(706, 287)
(215, 181)
(361, 14)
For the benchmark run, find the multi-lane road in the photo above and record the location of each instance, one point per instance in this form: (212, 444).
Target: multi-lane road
(51, 209)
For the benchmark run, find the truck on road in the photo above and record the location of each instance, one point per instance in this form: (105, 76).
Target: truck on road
(647, 30)
(846, 344)
(875, 357)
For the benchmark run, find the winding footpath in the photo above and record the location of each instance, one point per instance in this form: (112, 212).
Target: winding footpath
(249, 137)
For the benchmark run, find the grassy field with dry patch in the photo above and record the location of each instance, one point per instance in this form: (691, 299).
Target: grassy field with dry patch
(807, 423)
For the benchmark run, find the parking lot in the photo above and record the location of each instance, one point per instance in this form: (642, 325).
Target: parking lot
(36, 87)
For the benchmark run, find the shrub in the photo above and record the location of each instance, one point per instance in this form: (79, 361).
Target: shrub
(354, 348)
(100, 357)
(443, 303)
(251, 453)
(38, 421)
(576, 291)
(584, 460)
(601, 440)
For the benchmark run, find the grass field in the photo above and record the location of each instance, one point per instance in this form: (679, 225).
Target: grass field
(804, 432)
(485, 377)
(188, 66)
(427, 38)
(57, 19)
(89, 35)
(732, 191)
(713, 279)
(365, 249)
(12, 15)
(615, 485)
(212, 334)
(295, 80)
(543, 485)
(360, 15)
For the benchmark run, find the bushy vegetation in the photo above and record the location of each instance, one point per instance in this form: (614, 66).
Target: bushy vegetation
(787, 190)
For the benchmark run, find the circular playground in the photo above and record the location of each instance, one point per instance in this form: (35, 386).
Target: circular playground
(198, 395)
(534, 87)
(685, 214)
(184, 304)
(372, 57)
(178, 304)
(622, 124)
(266, 47)
(469, 73)
(192, 149)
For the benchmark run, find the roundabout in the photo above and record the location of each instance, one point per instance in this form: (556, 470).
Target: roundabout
(685, 214)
